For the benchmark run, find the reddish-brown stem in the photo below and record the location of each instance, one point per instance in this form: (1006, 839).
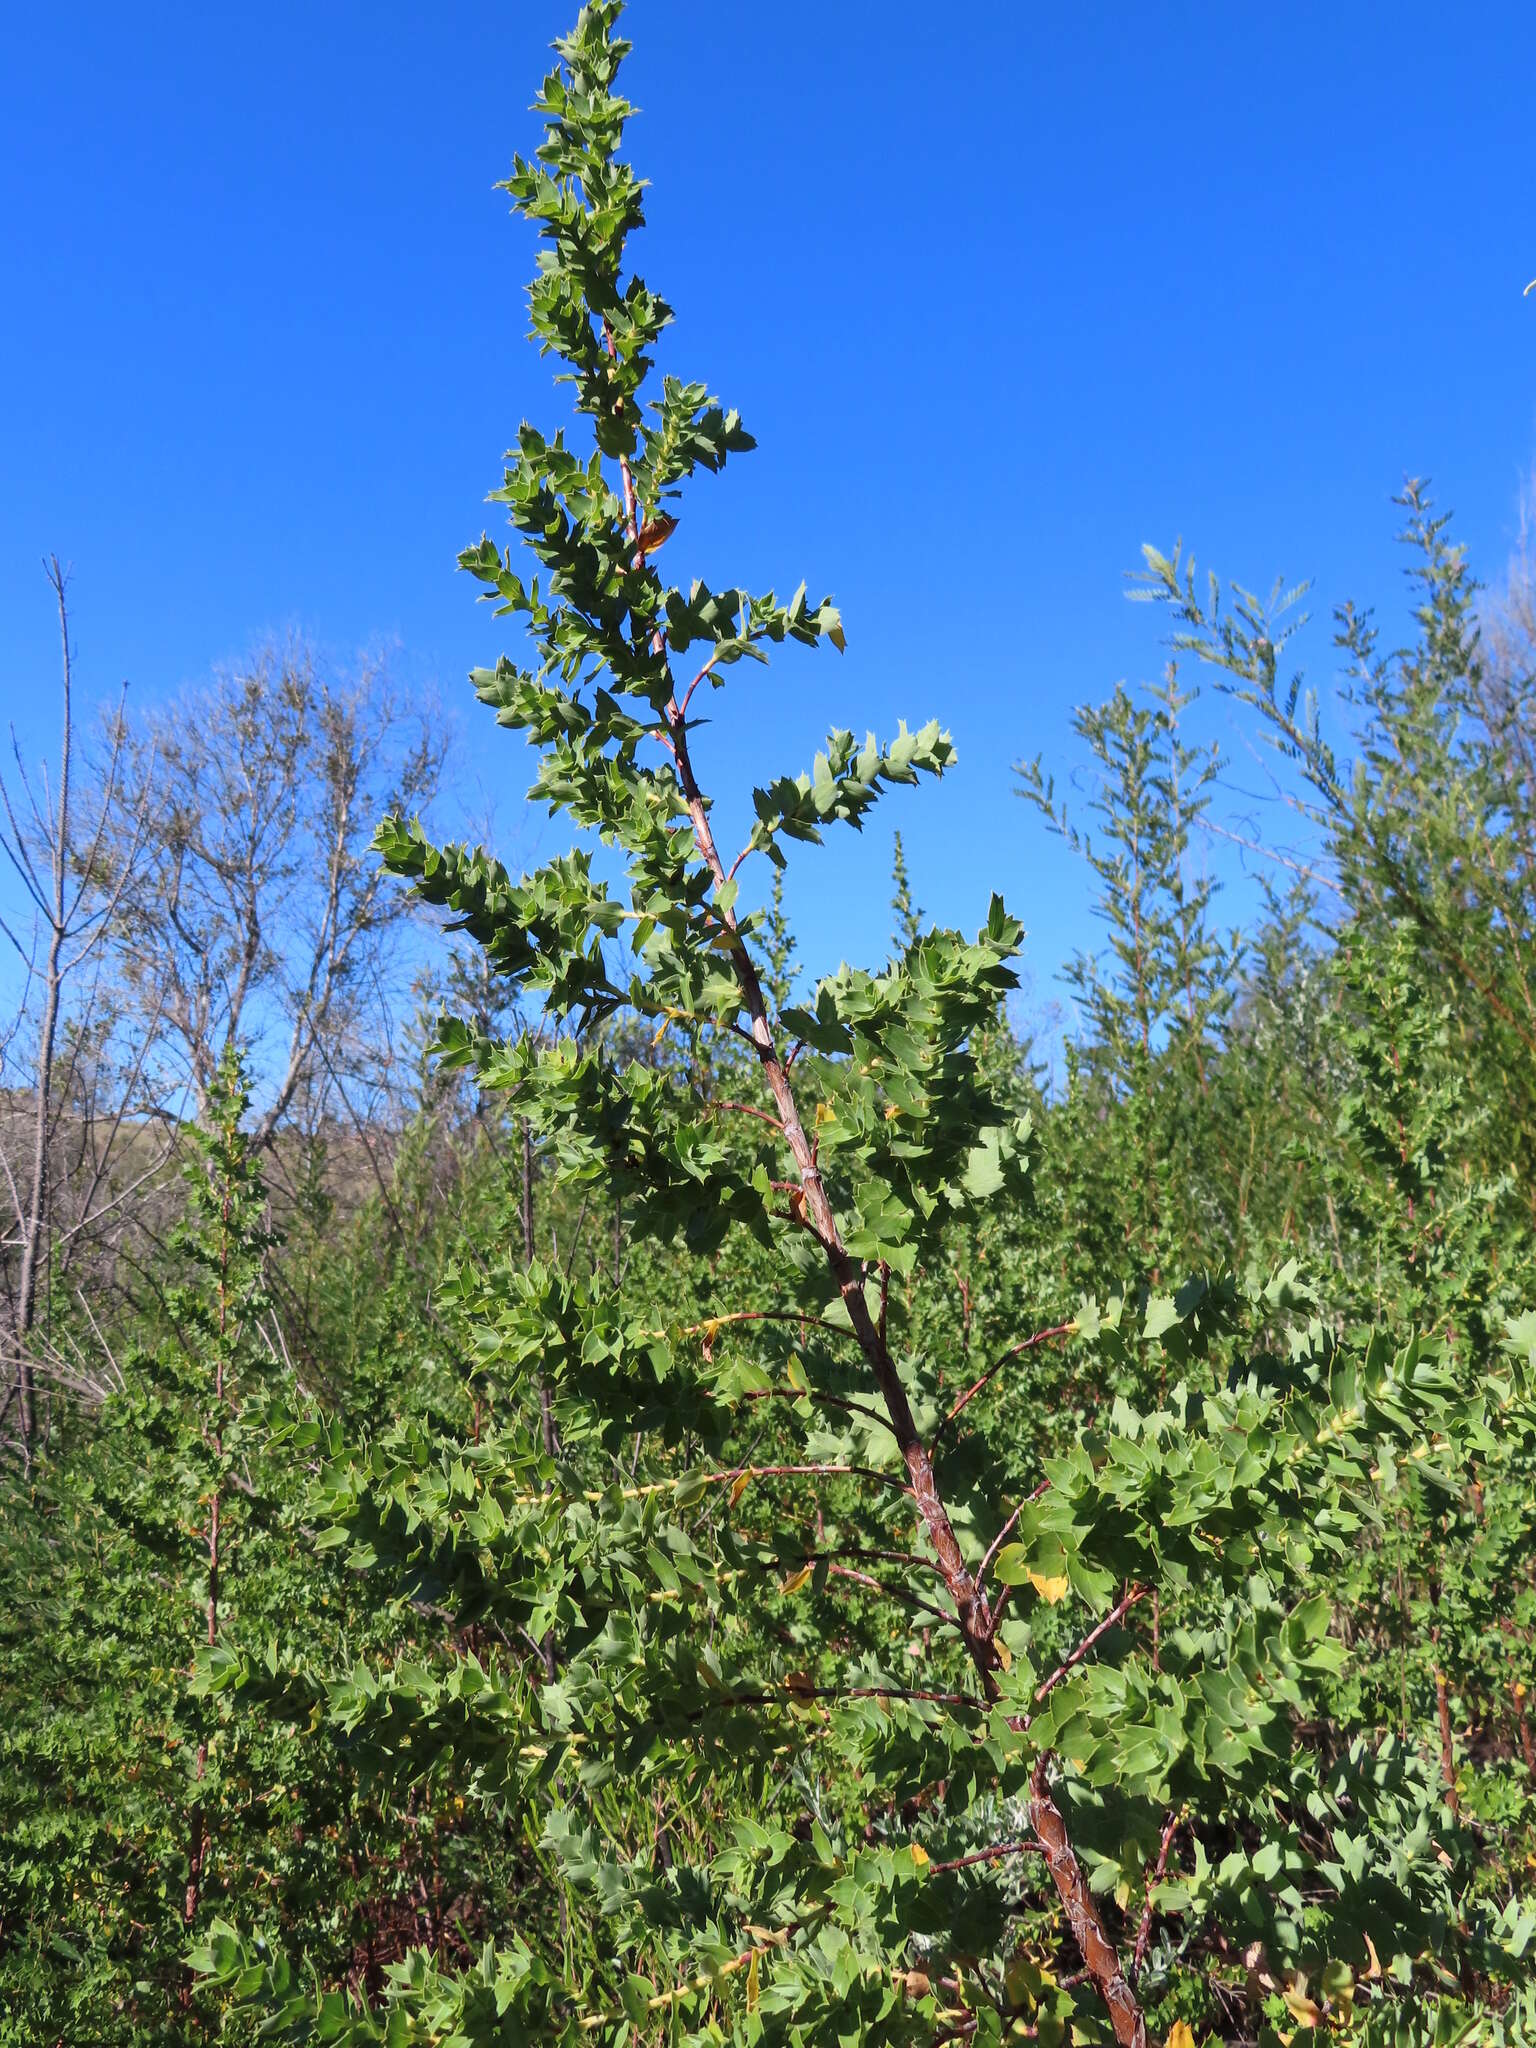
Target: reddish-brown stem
(1094, 1945)
(1024, 1847)
(971, 1610)
(821, 1401)
(843, 1571)
(820, 1217)
(1028, 1344)
(997, 1543)
(902, 1557)
(1002, 1535)
(1154, 1878)
(1116, 1614)
(905, 1558)
(746, 1109)
(687, 698)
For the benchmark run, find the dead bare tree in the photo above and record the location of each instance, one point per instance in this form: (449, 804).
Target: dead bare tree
(256, 913)
(69, 895)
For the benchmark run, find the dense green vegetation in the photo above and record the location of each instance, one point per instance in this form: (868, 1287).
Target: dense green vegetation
(763, 1523)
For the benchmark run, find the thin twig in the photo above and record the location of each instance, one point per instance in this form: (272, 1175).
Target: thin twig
(1024, 1846)
(746, 1109)
(1116, 1614)
(1154, 1879)
(843, 1571)
(1026, 1344)
(838, 1401)
(998, 1540)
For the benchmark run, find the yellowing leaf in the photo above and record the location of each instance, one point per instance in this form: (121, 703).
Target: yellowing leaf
(919, 1855)
(797, 1579)
(752, 1983)
(1051, 1589)
(739, 1487)
(1301, 2007)
(1180, 2036)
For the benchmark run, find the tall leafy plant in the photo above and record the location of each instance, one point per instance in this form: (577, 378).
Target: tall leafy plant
(1153, 1003)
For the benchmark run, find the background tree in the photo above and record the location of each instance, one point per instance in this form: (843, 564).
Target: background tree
(73, 1153)
(255, 914)
(1154, 1004)
(1427, 822)
(908, 916)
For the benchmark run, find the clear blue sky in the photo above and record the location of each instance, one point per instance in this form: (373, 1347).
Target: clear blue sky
(1002, 291)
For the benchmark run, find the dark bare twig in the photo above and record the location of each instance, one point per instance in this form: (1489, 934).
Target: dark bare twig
(1015, 1351)
(1025, 1846)
(1154, 1879)
(1116, 1614)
